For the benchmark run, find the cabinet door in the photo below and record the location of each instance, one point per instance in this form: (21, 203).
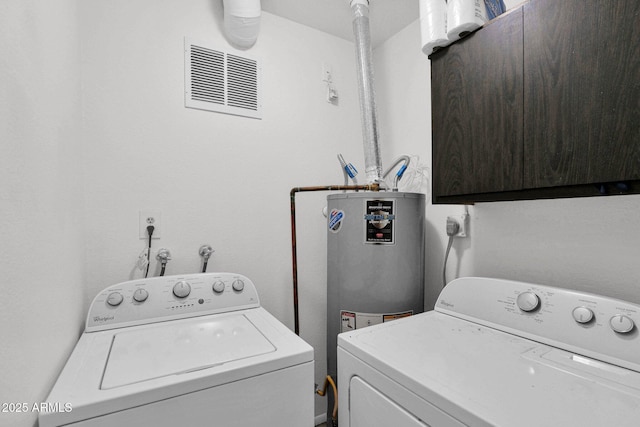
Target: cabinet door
(582, 92)
(476, 92)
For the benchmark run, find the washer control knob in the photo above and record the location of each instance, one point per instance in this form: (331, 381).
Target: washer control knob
(582, 314)
(218, 287)
(528, 301)
(114, 299)
(140, 295)
(621, 324)
(238, 285)
(182, 289)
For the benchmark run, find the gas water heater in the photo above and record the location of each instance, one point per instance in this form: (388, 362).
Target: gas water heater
(375, 261)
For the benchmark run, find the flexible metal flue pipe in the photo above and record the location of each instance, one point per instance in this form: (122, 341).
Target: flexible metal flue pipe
(372, 160)
(294, 251)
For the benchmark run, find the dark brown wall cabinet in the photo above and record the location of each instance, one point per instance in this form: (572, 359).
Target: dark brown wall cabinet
(541, 102)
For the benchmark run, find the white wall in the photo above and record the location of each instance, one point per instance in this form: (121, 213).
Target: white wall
(217, 179)
(41, 308)
(589, 244)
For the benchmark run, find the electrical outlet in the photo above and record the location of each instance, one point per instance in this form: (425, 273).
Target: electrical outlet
(463, 223)
(148, 218)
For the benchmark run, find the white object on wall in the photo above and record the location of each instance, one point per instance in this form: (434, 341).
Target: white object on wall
(242, 22)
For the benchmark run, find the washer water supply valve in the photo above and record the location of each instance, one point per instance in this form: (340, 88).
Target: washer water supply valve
(205, 252)
(163, 256)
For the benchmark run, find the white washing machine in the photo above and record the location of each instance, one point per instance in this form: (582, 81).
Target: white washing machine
(193, 350)
(496, 353)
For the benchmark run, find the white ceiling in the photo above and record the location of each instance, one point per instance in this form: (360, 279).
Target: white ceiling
(386, 17)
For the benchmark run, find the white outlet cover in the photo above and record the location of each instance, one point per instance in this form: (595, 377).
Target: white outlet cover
(147, 218)
(463, 220)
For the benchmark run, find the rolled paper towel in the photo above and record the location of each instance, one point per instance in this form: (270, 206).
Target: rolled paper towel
(464, 16)
(433, 25)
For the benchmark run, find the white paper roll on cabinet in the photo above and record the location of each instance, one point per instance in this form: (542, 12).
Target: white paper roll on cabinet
(433, 25)
(464, 16)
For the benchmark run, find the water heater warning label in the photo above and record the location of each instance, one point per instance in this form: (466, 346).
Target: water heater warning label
(351, 320)
(379, 218)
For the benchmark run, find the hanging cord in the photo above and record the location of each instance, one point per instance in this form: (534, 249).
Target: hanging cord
(323, 392)
(452, 229)
(150, 232)
(205, 252)
(444, 268)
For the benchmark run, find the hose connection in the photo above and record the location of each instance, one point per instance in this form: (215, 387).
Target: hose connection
(205, 252)
(163, 256)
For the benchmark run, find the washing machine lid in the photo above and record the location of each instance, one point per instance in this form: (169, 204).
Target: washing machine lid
(176, 348)
(116, 369)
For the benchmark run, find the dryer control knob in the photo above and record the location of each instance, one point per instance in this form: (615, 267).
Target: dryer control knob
(218, 287)
(621, 324)
(182, 289)
(140, 295)
(114, 299)
(238, 285)
(528, 301)
(582, 314)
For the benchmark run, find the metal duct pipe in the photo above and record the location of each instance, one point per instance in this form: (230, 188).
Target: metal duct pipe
(372, 161)
(242, 22)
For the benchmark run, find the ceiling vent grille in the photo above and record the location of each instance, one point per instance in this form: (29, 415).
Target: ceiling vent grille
(221, 82)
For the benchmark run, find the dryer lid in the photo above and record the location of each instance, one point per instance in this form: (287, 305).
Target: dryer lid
(181, 347)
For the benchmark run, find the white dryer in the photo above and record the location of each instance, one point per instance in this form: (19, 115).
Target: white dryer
(193, 350)
(496, 353)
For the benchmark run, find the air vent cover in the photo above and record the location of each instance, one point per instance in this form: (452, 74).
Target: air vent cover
(221, 82)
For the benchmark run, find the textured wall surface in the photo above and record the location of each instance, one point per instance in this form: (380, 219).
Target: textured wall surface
(41, 200)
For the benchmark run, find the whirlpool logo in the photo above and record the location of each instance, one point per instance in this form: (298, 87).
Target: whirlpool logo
(102, 319)
(446, 304)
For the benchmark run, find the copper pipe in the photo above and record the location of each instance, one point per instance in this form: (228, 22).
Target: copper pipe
(294, 255)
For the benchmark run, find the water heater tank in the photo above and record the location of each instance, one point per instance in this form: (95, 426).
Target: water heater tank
(375, 261)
